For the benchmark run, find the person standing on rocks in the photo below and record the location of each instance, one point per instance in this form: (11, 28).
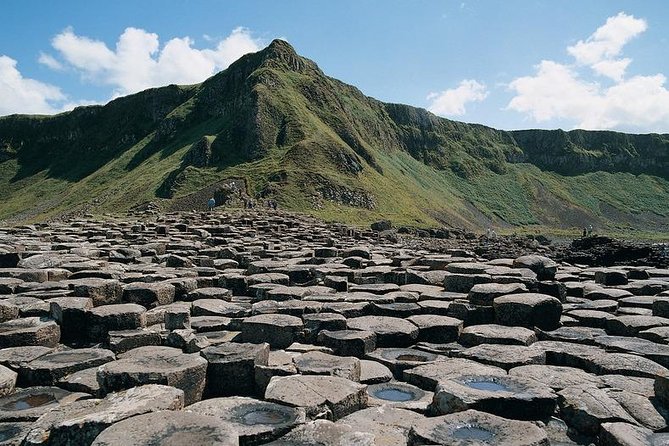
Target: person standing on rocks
(211, 203)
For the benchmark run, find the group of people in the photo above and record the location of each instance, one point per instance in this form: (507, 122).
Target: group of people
(587, 231)
(248, 204)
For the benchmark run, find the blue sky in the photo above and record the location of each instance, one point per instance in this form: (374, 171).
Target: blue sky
(509, 64)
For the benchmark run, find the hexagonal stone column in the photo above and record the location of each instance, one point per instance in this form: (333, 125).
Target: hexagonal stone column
(29, 331)
(102, 320)
(231, 368)
(168, 428)
(81, 421)
(255, 421)
(474, 427)
(48, 369)
(278, 330)
(511, 396)
(328, 397)
(156, 365)
(390, 331)
(528, 310)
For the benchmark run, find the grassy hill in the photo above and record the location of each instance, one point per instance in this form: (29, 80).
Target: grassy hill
(318, 145)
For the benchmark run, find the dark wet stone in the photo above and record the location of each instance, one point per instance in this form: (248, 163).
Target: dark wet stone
(255, 421)
(70, 313)
(231, 368)
(169, 428)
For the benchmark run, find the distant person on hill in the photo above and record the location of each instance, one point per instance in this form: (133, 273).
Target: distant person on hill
(585, 232)
(210, 204)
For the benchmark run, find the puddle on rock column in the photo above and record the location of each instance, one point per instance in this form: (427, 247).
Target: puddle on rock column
(411, 357)
(491, 386)
(8, 433)
(30, 402)
(265, 417)
(472, 433)
(394, 395)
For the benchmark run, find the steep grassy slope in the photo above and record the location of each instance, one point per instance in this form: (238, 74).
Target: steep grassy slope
(321, 146)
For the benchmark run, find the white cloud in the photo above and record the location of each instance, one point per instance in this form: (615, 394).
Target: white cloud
(50, 61)
(452, 102)
(138, 61)
(19, 94)
(613, 69)
(607, 42)
(559, 91)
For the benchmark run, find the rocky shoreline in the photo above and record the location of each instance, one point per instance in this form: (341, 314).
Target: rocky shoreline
(265, 327)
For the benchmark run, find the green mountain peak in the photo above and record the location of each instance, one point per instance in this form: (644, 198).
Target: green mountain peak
(274, 123)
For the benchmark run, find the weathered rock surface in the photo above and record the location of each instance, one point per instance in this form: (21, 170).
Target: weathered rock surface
(260, 321)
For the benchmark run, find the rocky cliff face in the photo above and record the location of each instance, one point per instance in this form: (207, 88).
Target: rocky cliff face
(275, 116)
(580, 151)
